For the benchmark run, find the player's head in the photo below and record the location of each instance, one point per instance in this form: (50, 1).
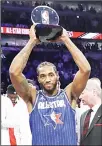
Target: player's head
(48, 76)
(11, 93)
(92, 93)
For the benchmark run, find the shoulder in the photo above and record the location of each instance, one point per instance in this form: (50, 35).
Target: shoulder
(5, 102)
(100, 107)
(3, 95)
(40, 93)
(4, 98)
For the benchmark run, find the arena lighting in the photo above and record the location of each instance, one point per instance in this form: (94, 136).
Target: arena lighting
(2, 55)
(72, 34)
(77, 16)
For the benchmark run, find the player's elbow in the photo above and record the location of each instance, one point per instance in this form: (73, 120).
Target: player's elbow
(88, 69)
(13, 72)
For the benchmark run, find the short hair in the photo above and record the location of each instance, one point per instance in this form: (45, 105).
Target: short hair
(92, 84)
(11, 89)
(46, 64)
(97, 80)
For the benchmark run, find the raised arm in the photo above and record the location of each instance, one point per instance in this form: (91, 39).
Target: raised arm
(81, 77)
(17, 66)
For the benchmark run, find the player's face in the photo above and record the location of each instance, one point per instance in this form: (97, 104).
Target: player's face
(48, 78)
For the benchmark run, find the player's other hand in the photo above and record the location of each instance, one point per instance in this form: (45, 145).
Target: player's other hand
(32, 34)
(64, 35)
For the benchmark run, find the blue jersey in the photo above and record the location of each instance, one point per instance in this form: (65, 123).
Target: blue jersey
(52, 120)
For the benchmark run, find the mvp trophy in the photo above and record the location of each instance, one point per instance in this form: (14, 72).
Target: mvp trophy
(46, 22)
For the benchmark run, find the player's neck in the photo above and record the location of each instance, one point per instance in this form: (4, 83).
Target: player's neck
(51, 94)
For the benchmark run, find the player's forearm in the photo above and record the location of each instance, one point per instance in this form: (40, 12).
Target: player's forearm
(19, 62)
(78, 56)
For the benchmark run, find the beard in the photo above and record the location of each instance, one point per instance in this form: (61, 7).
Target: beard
(51, 90)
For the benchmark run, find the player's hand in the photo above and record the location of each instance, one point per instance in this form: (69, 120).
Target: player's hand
(64, 35)
(32, 34)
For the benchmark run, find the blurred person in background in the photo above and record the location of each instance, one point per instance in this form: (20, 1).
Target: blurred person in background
(15, 119)
(7, 121)
(81, 108)
(91, 120)
(52, 119)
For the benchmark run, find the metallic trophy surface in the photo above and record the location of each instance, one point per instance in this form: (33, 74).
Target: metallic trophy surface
(46, 22)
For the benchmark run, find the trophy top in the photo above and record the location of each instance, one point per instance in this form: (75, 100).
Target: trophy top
(44, 15)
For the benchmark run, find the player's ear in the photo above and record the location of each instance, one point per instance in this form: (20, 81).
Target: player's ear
(57, 76)
(38, 78)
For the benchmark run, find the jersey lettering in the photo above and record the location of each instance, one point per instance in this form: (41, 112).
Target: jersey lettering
(54, 104)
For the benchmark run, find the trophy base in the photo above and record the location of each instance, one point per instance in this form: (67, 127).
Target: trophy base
(46, 32)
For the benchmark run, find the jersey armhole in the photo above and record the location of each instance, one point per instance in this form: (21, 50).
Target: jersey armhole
(66, 96)
(34, 104)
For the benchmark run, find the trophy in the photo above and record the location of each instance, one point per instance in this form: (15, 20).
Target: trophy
(46, 22)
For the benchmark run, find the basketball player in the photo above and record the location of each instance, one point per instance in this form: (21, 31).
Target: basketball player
(52, 119)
